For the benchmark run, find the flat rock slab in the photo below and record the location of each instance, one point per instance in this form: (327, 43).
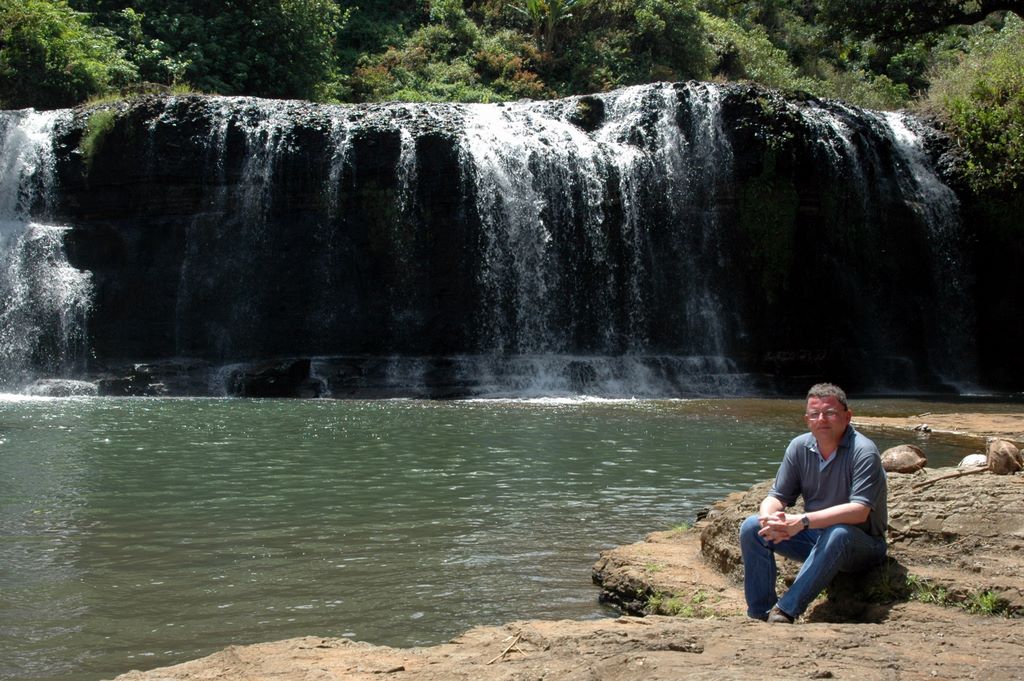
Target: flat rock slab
(1008, 426)
(918, 642)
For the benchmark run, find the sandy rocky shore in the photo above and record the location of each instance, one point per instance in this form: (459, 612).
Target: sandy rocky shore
(957, 552)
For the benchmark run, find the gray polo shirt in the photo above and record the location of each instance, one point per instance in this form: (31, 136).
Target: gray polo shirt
(854, 473)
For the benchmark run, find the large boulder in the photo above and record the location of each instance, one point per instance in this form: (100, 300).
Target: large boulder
(286, 378)
(904, 459)
(1004, 458)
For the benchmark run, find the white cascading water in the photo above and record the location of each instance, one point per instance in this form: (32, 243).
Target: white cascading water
(707, 159)
(513, 186)
(534, 171)
(266, 128)
(588, 240)
(856, 161)
(341, 148)
(220, 120)
(939, 209)
(43, 300)
(402, 228)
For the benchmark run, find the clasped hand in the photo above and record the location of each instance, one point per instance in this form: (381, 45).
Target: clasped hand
(779, 526)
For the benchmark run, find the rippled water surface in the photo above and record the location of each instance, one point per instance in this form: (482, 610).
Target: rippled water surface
(138, 533)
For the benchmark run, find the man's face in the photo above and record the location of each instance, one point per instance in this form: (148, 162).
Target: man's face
(827, 418)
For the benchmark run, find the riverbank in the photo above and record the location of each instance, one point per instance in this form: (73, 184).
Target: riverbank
(956, 545)
(1009, 426)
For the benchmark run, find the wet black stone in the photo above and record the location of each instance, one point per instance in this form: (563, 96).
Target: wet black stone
(356, 231)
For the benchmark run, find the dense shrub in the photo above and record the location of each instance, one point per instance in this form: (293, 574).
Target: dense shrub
(271, 48)
(451, 59)
(611, 43)
(50, 57)
(749, 55)
(981, 93)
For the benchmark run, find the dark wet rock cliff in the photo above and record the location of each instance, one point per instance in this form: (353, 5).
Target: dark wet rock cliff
(671, 239)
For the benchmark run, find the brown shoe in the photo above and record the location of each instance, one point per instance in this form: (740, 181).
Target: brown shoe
(776, 616)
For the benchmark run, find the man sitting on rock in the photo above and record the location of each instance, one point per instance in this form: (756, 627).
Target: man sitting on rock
(839, 473)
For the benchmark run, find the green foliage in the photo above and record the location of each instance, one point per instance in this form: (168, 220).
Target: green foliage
(100, 123)
(982, 95)
(863, 88)
(546, 16)
(50, 57)
(611, 43)
(508, 63)
(985, 602)
(660, 603)
(451, 59)
(373, 26)
(873, 75)
(776, 43)
(152, 57)
(597, 46)
(748, 54)
(271, 48)
(925, 592)
(892, 18)
(788, 25)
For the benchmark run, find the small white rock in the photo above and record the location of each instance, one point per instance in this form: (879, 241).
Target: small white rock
(972, 460)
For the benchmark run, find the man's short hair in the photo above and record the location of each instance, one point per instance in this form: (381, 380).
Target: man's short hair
(823, 390)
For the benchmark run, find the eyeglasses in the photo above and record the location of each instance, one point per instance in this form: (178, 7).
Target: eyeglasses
(829, 414)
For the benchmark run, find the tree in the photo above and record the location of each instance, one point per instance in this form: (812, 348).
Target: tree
(270, 48)
(546, 17)
(888, 19)
(611, 43)
(50, 57)
(749, 54)
(373, 26)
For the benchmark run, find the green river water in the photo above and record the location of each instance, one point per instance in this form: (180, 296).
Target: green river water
(136, 533)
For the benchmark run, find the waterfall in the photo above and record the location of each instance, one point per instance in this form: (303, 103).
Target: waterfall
(514, 188)
(237, 220)
(657, 240)
(555, 258)
(43, 300)
(939, 208)
(875, 163)
(708, 167)
(567, 252)
(690, 169)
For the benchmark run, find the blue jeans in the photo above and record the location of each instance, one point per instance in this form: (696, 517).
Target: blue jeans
(824, 552)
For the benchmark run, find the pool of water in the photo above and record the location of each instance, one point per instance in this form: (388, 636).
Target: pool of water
(136, 533)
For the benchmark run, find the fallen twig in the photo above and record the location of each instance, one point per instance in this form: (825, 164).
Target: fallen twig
(514, 644)
(947, 476)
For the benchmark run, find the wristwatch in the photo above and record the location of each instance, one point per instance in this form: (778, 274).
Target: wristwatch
(805, 521)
